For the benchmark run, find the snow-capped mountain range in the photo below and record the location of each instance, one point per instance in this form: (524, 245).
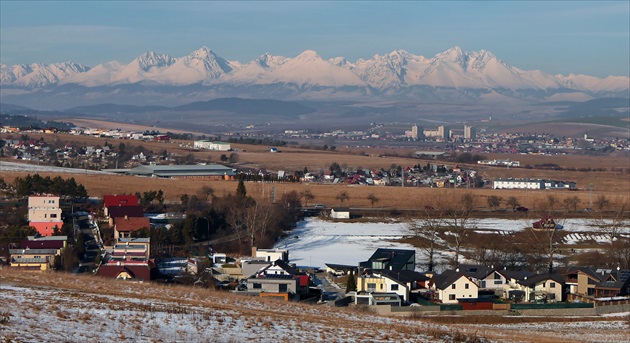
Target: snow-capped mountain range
(476, 74)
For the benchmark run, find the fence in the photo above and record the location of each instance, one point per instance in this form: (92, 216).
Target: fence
(550, 306)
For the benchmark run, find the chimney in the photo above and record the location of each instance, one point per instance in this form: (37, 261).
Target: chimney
(253, 251)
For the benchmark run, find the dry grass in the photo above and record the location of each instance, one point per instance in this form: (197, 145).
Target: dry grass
(608, 183)
(323, 323)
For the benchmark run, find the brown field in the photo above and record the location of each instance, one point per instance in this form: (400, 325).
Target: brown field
(609, 183)
(110, 125)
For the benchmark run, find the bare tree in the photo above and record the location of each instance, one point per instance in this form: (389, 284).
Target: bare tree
(342, 196)
(373, 199)
(257, 221)
(206, 192)
(307, 195)
(601, 203)
(612, 220)
(458, 222)
(427, 229)
(551, 203)
(571, 203)
(543, 242)
(512, 201)
(494, 201)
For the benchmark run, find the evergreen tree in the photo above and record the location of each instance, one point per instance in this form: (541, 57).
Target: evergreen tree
(351, 285)
(240, 189)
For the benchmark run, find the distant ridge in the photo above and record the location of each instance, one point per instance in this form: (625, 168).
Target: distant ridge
(453, 76)
(232, 105)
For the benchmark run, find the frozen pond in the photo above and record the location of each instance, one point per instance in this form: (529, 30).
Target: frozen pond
(319, 241)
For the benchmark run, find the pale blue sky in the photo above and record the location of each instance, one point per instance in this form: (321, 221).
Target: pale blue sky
(560, 37)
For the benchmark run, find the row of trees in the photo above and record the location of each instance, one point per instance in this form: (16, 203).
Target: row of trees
(35, 184)
(236, 218)
(452, 227)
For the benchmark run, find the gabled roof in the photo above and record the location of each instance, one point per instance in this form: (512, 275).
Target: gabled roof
(515, 274)
(616, 279)
(131, 224)
(121, 211)
(136, 271)
(475, 271)
(530, 281)
(44, 244)
(120, 200)
(339, 266)
(283, 265)
(442, 281)
(585, 270)
(404, 276)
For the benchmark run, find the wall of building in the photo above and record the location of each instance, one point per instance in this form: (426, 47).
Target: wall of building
(460, 291)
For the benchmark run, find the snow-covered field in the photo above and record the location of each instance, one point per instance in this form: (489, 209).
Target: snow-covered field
(321, 241)
(93, 309)
(24, 167)
(58, 307)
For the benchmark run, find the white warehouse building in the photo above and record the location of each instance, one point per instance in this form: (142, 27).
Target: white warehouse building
(205, 144)
(511, 183)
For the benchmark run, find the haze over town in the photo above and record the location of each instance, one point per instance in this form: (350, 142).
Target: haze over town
(325, 171)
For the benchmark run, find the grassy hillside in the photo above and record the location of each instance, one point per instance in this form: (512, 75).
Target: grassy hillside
(56, 307)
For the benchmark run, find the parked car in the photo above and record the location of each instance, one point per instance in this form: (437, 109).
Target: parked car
(522, 209)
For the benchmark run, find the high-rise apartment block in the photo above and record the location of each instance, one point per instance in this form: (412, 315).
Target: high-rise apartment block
(470, 132)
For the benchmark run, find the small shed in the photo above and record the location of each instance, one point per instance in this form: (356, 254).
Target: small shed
(340, 213)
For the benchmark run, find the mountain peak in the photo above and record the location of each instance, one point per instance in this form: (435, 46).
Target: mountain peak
(150, 59)
(307, 55)
(202, 53)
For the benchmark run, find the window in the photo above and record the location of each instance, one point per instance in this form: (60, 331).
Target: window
(283, 287)
(466, 286)
(257, 286)
(371, 287)
(498, 282)
(552, 285)
(453, 286)
(53, 215)
(394, 287)
(381, 286)
(451, 297)
(544, 284)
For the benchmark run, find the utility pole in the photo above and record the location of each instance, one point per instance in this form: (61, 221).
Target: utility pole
(590, 195)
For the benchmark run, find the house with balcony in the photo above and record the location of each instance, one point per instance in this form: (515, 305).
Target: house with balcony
(44, 214)
(542, 288)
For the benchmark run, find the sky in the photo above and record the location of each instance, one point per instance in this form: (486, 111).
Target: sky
(582, 37)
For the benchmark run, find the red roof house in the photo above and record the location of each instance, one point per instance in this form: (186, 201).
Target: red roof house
(124, 226)
(120, 200)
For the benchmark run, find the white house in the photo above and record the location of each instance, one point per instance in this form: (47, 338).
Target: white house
(542, 287)
(270, 255)
(449, 287)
